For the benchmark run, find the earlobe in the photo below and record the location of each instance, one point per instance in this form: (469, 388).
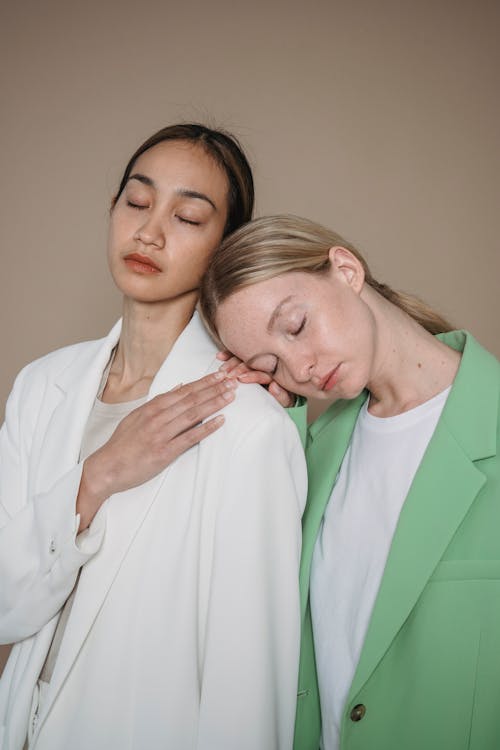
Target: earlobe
(346, 266)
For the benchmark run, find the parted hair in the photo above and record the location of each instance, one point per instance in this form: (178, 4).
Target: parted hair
(276, 245)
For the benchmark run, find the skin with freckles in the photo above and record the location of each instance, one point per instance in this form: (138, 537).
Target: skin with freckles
(330, 335)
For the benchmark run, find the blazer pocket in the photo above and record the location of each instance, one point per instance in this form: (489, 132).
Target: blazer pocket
(466, 570)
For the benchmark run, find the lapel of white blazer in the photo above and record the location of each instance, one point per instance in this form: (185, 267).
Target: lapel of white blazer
(445, 486)
(191, 357)
(73, 393)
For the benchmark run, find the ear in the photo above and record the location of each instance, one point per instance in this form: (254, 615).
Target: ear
(347, 267)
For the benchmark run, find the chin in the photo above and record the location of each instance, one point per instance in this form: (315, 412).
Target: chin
(353, 391)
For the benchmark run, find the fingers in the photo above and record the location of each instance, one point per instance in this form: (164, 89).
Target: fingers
(196, 407)
(235, 368)
(174, 412)
(255, 376)
(232, 364)
(283, 397)
(224, 355)
(203, 386)
(193, 436)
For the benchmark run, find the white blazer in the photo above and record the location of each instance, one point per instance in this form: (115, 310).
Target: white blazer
(184, 632)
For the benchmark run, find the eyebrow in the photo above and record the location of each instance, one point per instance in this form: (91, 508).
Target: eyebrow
(277, 312)
(142, 178)
(183, 192)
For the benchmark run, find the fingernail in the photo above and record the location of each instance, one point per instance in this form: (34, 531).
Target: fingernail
(230, 383)
(219, 375)
(228, 395)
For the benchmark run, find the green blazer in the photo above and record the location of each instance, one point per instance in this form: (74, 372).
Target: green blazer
(429, 673)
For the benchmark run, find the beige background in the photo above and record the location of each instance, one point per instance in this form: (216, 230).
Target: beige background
(380, 119)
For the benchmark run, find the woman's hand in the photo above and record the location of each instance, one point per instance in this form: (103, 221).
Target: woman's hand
(237, 369)
(150, 438)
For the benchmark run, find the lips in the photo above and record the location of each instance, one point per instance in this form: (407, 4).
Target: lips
(141, 263)
(330, 379)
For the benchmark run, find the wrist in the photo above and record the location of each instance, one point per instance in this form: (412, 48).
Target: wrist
(95, 488)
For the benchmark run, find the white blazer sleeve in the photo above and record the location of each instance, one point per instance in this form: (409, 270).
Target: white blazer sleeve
(249, 680)
(39, 553)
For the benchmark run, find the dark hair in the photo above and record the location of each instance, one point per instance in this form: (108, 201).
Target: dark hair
(226, 151)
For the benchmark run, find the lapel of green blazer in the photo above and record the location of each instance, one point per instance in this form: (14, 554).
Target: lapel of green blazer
(327, 442)
(442, 492)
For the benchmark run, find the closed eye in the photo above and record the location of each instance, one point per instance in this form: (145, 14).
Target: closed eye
(300, 328)
(189, 221)
(139, 206)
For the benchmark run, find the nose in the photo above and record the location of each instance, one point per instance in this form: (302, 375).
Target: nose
(151, 232)
(302, 367)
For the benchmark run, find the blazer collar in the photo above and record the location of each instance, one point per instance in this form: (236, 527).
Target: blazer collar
(88, 361)
(191, 357)
(188, 359)
(471, 410)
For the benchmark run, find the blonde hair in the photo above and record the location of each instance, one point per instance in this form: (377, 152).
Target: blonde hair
(275, 245)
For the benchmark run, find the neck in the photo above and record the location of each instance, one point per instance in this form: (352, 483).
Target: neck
(410, 364)
(149, 331)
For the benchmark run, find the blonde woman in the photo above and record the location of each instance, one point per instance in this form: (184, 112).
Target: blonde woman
(149, 559)
(400, 571)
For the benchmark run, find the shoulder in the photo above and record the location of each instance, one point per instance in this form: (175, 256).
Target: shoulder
(33, 380)
(52, 364)
(475, 357)
(259, 444)
(255, 415)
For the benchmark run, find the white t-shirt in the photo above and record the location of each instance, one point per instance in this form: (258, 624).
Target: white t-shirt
(353, 544)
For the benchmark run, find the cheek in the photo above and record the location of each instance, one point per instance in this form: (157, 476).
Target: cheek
(231, 337)
(111, 243)
(198, 251)
(117, 232)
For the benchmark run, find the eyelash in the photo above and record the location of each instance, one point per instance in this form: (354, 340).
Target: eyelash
(300, 328)
(293, 333)
(188, 221)
(181, 218)
(135, 205)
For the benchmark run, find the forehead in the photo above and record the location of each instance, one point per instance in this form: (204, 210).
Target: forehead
(271, 292)
(182, 164)
(243, 318)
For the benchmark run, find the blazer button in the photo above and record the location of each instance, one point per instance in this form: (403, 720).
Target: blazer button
(358, 712)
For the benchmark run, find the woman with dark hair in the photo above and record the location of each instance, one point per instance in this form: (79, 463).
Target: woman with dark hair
(400, 571)
(150, 580)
